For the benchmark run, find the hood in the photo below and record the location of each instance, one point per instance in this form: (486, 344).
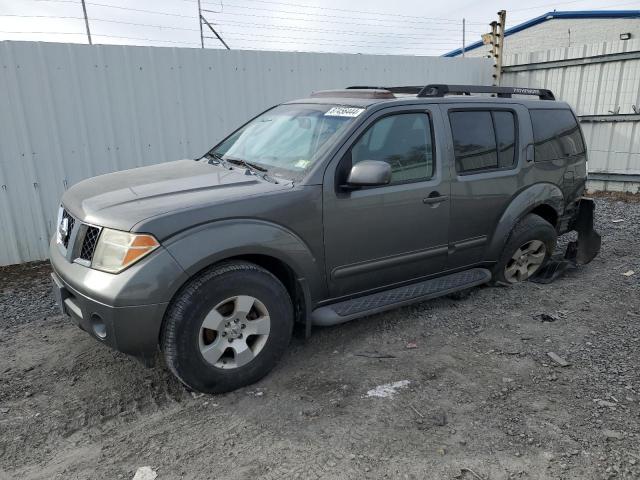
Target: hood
(122, 199)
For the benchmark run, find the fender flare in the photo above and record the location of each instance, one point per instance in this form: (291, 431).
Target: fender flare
(520, 205)
(204, 245)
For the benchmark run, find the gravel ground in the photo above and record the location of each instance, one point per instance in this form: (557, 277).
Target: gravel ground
(484, 400)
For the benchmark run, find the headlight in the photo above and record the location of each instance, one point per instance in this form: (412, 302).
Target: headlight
(118, 250)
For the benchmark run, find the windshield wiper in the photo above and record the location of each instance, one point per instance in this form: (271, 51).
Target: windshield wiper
(257, 170)
(249, 165)
(216, 158)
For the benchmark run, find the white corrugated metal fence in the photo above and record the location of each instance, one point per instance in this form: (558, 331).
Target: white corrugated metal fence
(68, 112)
(602, 84)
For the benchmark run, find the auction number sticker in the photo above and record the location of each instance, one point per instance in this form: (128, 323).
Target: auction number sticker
(344, 112)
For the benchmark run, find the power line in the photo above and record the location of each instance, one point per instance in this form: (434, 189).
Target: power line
(346, 22)
(341, 32)
(364, 42)
(566, 3)
(240, 24)
(169, 27)
(98, 35)
(95, 19)
(386, 14)
(404, 17)
(44, 33)
(155, 12)
(544, 5)
(147, 39)
(41, 16)
(327, 42)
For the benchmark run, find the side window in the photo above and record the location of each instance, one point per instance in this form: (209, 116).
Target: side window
(474, 141)
(505, 126)
(556, 134)
(403, 141)
(483, 140)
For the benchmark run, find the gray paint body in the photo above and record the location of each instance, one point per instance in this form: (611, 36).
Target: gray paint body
(339, 244)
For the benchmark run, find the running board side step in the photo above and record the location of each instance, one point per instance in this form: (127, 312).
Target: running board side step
(397, 297)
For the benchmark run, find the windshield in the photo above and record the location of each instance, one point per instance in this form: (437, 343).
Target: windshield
(287, 139)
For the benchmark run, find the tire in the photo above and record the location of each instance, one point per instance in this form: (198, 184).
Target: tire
(216, 298)
(534, 239)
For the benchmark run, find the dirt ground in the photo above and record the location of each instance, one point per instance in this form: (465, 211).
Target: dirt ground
(484, 400)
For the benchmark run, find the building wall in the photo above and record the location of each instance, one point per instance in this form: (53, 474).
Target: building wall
(554, 33)
(609, 89)
(69, 112)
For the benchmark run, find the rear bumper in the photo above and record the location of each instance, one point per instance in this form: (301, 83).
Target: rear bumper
(588, 244)
(580, 219)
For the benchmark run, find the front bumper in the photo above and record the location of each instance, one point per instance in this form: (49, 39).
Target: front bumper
(123, 311)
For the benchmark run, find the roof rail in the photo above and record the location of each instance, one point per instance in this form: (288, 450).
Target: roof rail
(412, 90)
(440, 90)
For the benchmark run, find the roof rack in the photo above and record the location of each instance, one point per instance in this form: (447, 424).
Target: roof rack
(440, 90)
(368, 92)
(411, 90)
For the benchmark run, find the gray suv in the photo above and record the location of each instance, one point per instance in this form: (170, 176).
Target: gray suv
(319, 211)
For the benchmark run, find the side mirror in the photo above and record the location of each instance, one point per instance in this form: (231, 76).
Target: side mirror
(369, 173)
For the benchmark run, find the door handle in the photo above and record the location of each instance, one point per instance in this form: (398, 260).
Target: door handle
(530, 153)
(434, 199)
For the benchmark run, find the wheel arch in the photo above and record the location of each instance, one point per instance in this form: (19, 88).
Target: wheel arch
(543, 199)
(267, 245)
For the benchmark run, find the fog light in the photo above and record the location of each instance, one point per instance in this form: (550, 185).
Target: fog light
(98, 326)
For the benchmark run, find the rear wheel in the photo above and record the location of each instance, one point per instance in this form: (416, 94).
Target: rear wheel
(530, 245)
(227, 328)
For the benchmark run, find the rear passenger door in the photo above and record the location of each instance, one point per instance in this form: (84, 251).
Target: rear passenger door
(486, 172)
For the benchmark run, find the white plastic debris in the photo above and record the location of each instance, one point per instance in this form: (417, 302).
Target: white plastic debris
(628, 273)
(145, 473)
(388, 389)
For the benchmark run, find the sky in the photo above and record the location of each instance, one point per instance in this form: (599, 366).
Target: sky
(404, 27)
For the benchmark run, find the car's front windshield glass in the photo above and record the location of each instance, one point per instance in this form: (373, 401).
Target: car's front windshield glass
(287, 139)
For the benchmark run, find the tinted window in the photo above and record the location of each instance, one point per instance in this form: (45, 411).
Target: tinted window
(556, 134)
(403, 141)
(474, 141)
(505, 127)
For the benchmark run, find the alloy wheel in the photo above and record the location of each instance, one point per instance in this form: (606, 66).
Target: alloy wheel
(234, 332)
(525, 261)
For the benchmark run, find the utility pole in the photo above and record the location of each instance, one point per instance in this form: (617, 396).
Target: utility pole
(215, 33)
(495, 38)
(86, 22)
(493, 41)
(200, 22)
(502, 20)
(463, 35)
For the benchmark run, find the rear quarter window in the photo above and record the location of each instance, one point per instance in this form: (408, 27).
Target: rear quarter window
(556, 134)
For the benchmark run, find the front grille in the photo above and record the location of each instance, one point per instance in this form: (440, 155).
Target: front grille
(72, 222)
(89, 243)
(79, 239)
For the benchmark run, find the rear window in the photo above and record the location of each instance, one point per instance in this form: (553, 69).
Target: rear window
(556, 135)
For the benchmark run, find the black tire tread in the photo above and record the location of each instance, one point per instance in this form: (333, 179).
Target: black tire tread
(529, 223)
(185, 296)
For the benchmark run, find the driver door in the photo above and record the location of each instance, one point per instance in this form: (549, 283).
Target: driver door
(379, 236)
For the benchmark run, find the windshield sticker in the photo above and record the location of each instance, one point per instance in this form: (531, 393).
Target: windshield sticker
(344, 112)
(302, 163)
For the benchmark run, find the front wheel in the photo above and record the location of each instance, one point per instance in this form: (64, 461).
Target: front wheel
(227, 328)
(530, 245)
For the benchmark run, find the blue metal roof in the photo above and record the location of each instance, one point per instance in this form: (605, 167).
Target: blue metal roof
(553, 15)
